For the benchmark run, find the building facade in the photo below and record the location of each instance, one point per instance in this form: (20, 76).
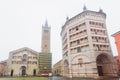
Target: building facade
(117, 58)
(86, 47)
(3, 68)
(23, 62)
(45, 57)
(117, 64)
(58, 68)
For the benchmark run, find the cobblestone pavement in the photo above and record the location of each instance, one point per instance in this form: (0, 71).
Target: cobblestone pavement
(61, 78)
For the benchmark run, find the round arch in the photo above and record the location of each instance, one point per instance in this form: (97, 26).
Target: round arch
(79, 65)
(104, 65)
(23, 70)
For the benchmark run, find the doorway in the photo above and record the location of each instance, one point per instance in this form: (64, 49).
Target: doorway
(104, 65)
(12, 71)
(23, 70)
(34, 72)
(100, 70)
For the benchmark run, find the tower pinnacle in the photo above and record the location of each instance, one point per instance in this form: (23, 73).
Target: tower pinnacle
(100, 10)
(67, 18)
(84, 8)
(46, 23)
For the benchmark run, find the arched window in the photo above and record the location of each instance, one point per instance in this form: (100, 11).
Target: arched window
(25, 57)
(80, 62)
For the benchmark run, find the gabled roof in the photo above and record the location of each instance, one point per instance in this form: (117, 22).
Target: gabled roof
(116, 34)
(23, 49)
(3, 62)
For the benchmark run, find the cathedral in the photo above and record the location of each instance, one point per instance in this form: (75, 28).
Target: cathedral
(27, 62)
(23, 62)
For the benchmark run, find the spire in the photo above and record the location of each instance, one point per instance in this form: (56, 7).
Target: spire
(46, 23)
(100, 10)
(67, 18)
(84, 8)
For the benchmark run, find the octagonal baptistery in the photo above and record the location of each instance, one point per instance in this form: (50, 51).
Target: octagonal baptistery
(23, 62)
(86, 47)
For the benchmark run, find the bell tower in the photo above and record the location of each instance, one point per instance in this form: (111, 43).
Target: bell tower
(45, 57)
(45, 38)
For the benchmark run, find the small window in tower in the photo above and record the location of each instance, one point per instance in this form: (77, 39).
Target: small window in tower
(96, 39)
(78, 42)
(77, 28)
(96, 31)
(45, 45)
(80, 62)
(46, 31)
(102, 24)
(96, 23)
(98, 47)
(78, 49)
(90, 22)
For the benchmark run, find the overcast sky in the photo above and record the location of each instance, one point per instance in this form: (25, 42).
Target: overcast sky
(21, 22)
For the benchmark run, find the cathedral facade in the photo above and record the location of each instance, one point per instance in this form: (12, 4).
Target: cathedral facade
(23, 62)
(86, 47)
